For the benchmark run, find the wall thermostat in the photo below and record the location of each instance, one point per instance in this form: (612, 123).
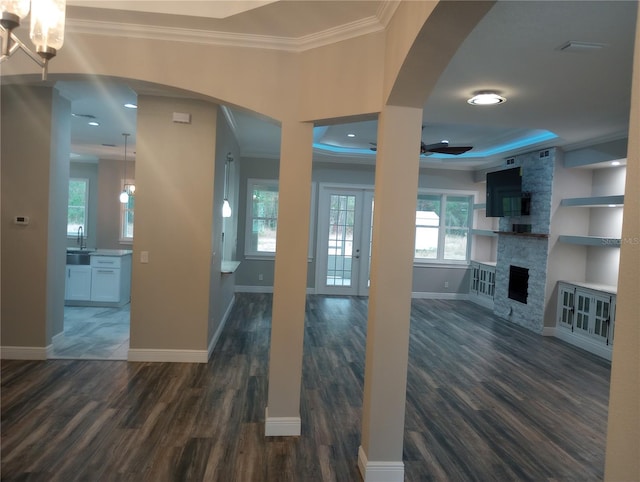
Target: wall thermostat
(21, 220)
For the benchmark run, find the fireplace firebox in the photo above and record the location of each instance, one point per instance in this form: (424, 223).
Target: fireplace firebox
(518, 283)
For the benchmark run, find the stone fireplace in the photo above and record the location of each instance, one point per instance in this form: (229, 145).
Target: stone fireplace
(521, 299)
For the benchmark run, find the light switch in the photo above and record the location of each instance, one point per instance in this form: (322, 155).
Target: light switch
(144, 256)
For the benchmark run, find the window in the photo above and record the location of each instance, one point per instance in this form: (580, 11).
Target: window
(126, 218)
(77, 207)
(442, 227)
(262, 217)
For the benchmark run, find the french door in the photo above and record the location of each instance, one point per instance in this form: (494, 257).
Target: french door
(344, 240)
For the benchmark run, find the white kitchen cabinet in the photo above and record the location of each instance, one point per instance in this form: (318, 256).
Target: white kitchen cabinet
(586, 316)
(77, 285)
(105, 284)
(110, 279)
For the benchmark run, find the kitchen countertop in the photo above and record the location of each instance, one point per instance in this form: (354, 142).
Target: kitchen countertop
(229, 267)
(111, 252)
(102, 252)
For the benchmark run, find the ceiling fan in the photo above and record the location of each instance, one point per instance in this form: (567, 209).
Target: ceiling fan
(441, 147)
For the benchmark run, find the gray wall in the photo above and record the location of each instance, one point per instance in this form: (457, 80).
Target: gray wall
(222, 287)
(426, 278)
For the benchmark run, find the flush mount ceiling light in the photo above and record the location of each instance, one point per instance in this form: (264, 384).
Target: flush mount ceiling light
(47, 29)
(131, 106)
(486, 97)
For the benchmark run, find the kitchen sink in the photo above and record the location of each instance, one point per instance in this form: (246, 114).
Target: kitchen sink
(78, 257)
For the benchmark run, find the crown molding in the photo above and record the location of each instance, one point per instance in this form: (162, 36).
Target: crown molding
(386, 11)
(339, 33)
(231, 121)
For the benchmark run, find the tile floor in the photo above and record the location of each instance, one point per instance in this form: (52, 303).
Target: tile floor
(92, 333)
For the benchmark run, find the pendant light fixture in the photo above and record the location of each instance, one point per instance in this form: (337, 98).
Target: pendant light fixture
(124, 195)
(226, 207)
(47, 29)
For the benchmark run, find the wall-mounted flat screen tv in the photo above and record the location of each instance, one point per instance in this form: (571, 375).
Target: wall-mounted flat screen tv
(504, 194)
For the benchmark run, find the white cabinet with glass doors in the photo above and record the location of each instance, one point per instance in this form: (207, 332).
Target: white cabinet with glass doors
(483, 282)
(586, 316)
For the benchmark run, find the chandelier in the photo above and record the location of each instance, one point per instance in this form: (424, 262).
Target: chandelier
(47, 29)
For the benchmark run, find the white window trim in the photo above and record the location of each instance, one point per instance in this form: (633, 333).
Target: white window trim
(251, 254)
(440, 261)
(86, 207)
(124, 239)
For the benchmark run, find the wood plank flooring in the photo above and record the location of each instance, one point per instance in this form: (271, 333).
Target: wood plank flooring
(486, 401)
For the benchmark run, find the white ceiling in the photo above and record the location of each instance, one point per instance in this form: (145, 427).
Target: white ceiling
(577, 97)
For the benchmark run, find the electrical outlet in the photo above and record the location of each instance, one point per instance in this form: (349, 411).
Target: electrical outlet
(260, 277)
(446, 284)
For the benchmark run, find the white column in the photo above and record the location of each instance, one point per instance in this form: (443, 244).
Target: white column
(623, 434)
(396, 190)
(290, 282)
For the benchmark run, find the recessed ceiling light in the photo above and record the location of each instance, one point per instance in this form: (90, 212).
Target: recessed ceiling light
(351, 135)
(94, 123)
(615, 163)
(486, 97)
(131, 106)
(612, 205)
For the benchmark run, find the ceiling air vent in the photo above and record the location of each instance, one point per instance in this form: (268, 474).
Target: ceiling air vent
(575, 46)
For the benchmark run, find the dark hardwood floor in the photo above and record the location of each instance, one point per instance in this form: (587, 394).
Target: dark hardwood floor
(486, 401)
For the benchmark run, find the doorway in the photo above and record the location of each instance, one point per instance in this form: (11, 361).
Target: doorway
(345, 216)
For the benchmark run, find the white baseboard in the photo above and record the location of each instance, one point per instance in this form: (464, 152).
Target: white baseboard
(55, 338)
(223, 322)
(429, 295)
(264, 289)
(379, 471)
(549, 331)
(281, 426)
(253, 289)
(170, 356)
(24, 352)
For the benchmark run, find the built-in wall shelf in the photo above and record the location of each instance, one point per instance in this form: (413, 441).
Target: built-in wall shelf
(599, 241)
(593, 201)
(484, 232)
(524, 235)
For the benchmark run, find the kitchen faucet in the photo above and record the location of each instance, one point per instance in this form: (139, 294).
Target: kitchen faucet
(80, 239)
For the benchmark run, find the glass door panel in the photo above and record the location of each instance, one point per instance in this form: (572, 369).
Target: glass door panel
(344, 241)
